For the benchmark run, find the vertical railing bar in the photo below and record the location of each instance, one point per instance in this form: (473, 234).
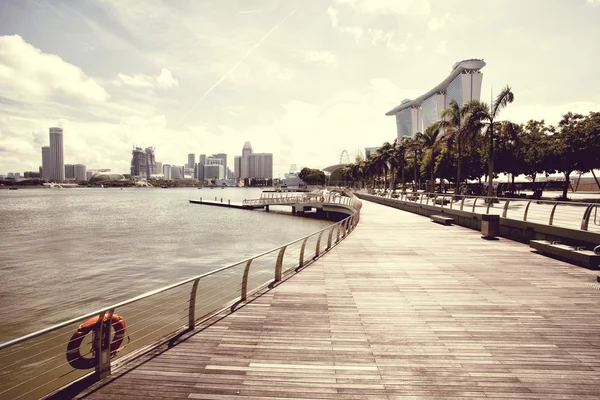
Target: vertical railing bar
(279, 264)
(301, 258)
(318, 247)
(462, 203)
(451, 201)
(192, 305)
(245, 280)
(551, 219)
(474, 202)
(505, 211)
(526, 211)
(329, 238)
(585, 221)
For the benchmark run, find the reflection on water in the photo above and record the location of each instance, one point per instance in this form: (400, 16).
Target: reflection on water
(64, 252)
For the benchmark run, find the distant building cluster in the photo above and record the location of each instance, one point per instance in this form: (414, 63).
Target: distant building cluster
(143, 163)
(53, 164)
(252, 165)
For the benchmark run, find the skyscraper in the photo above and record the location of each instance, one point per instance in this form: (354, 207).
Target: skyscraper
(57, 164)
(143, 163)
(237, 167)
(462, 85)
(191, 160)
(80, 172)
(200, 169)
(246, 151)
(46, 164)
(69, 172)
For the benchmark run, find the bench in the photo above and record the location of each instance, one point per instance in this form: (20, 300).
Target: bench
(578, 255)
(441, 219)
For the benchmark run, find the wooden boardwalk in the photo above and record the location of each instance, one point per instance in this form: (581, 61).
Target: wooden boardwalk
(403, 308)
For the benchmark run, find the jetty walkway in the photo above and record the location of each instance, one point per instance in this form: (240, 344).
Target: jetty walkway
(402, 308)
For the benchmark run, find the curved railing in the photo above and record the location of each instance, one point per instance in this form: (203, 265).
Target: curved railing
(565, 214)
(34, 365)
(293, 198)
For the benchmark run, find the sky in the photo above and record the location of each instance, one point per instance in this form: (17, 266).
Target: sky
(302, 79)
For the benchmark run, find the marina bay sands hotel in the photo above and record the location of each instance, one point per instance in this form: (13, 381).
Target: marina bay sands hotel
(462, 85)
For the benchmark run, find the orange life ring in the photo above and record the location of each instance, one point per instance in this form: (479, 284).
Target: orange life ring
(74, 356)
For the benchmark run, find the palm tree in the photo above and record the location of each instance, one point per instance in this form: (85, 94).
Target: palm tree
(455, 121)
(485, 116)
(415, 146)
(430, 142)
(401, 156)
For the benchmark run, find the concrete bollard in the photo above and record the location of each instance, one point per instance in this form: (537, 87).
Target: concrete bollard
(221, 199)
(490, 226)
(200, 199)
(229, 202)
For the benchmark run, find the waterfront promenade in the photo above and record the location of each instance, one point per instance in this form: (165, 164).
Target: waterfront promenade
(402, 308)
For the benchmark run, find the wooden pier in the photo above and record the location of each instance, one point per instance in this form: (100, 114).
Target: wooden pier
(402, 308)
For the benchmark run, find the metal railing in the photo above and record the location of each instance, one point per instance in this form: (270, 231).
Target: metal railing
(35, 365)
(565, 214)
(296, 198)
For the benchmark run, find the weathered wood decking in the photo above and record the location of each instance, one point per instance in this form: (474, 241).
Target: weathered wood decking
(401, 309)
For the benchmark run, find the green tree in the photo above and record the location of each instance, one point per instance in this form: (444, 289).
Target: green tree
(534, 150)
(430, 141)
(486, 117)
(456, 122)
(312, 176)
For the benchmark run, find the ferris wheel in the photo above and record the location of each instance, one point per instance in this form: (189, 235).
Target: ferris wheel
(347, 159)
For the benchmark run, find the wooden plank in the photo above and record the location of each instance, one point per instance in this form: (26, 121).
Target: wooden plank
(399, 309)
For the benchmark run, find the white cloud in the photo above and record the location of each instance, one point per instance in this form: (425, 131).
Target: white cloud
(27, 74)
(436, 23)
(442, 46)
(414, 7)
(356, 31)
(333, 13)
(164, 81)
(318, 57)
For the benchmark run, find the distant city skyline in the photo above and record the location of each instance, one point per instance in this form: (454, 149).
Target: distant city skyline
(303, 79)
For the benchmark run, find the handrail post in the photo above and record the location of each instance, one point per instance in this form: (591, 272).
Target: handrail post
(192, 306)
(279, 264)
(427, 202)
(420, 199)
(101, 343)
(526, 211)
(345, 228)
(585, 221)
(505, 211)
(443, 200)
(474, 202)
(245, 281)
(551, 220)
(462, 203)
(318, 246)
(301, 258)
(329, 238)
(339, 227)
(451, 201)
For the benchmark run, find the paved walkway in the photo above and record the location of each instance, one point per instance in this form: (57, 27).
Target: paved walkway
(403, 308)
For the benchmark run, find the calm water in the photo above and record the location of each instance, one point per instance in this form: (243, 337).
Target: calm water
(64, 252)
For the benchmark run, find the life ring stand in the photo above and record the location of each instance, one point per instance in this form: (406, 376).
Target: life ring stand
(322, 199)
(79, 361)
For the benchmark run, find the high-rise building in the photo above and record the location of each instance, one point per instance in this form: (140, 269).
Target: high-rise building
(221, 156)
(244, 169)
(80, 172)
(176, 172)
(369, 151)
(200, 167)
(191, 163)
(237, 167)
(260, 166)
(46, 164)
(57, 164)
(143, 163)
(167, 172)
(462, 85)
(69, 172)
(214, 171)
(158, 169)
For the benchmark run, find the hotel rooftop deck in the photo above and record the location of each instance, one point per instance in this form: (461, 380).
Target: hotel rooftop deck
(403, 308)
